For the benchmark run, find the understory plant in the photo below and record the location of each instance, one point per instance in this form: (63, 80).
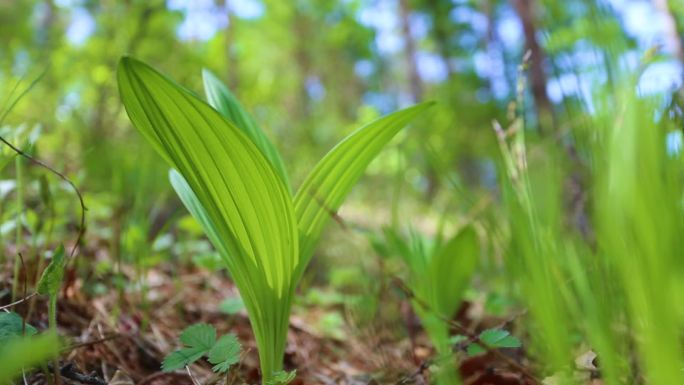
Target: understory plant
(440, 271)
(232, 180)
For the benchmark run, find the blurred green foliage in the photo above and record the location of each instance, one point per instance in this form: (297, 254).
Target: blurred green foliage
(576, 193)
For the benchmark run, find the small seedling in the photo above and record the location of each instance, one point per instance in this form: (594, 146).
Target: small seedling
(50, 283)
(200, 341)
(493, 338)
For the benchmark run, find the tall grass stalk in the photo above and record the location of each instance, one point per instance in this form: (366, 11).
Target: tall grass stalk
(615, 290)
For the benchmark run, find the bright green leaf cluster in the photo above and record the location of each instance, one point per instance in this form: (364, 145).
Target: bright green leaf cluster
(199, 341)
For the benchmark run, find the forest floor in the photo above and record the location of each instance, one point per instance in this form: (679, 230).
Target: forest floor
(116, 338)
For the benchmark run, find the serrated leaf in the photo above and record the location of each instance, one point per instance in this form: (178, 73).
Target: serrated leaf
(494, 338)
(474, 349)
(227, 104)
(451, 270)
(282, 377)
(52, 277)
(225, 353)
(199, 335)
(232, 305)
(12, 326)
(182, 357)
(198, 340)
(457, 339)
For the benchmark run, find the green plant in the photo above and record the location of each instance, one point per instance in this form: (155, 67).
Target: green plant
(25, 352)
(439, 272)
(12, 326)
(50, 283)
(611, 288)
(231, 179)
(199, 341)
(493, 338)
(21, 347)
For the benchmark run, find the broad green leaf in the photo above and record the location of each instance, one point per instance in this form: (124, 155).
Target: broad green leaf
(451, 270)
(225, 353)
(227, 104)
(25, 353)
(247, 204)
(13, 326)
(198, 340)
(181, 358)
(51, 280)
(326, 187)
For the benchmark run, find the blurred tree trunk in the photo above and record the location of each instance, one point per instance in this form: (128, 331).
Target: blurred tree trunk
(440, 10)
(415, 84)
(525, 10)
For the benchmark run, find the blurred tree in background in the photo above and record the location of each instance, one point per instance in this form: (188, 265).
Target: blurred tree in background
(310, 69)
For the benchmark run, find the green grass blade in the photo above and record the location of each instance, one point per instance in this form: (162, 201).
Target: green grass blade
(227, 104)
(324, 190)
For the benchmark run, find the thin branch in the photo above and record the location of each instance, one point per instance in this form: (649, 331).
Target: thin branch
(90, 343)
(17, 302)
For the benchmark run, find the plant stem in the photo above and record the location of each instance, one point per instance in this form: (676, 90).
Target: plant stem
(52, 313)
(18, 166)
(52, 324)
